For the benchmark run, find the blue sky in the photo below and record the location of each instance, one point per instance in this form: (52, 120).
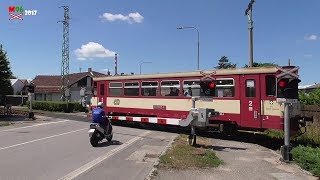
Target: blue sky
(145, 30)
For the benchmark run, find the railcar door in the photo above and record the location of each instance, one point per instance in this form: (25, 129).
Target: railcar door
(102, 93)
(250, 101)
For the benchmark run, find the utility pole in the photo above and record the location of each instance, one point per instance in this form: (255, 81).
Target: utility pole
(249, 14)
(65, 56)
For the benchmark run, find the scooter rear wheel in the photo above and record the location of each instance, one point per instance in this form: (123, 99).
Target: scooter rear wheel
(94, 140)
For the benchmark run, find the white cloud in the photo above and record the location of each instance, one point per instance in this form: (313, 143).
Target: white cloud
(93, 50)
(307, 55)
(130, 18)
(311, 37)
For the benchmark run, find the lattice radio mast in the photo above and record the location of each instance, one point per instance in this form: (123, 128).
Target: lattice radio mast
(65, 56)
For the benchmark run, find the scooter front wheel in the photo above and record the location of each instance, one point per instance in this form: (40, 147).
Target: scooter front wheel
(109, 139)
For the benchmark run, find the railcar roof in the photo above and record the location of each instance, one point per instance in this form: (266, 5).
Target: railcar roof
(253, 70)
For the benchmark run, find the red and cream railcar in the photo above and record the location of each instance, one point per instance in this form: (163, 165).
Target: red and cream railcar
(243, 97)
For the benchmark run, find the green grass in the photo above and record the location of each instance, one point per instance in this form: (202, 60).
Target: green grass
(308, 158)
(274, 133)
(182, 155)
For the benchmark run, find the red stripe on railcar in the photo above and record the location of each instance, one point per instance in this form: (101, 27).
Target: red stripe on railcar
(162, 121)
(145, 120)
(129, 118)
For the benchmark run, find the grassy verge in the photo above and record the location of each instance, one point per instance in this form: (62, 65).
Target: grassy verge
(308, 158)
(307, 154)
(182, 155)
(4, 123)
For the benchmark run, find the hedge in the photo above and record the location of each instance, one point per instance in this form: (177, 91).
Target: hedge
(312, 98)
(56, 106)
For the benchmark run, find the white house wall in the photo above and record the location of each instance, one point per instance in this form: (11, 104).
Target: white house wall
(17, 86)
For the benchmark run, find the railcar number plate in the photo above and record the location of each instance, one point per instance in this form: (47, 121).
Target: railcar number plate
(159, 107)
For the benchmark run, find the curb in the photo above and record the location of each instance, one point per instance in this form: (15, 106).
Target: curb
(156, 163)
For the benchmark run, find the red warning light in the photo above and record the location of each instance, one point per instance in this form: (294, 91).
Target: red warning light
(282, 83)
(212, 85)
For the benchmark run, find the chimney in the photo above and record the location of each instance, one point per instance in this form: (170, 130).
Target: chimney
(89, 69)
(116, 64)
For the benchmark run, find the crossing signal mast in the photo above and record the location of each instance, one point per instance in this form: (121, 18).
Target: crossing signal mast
(65, 56)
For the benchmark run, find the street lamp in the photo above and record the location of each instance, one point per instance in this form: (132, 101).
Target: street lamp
(192, 27)
(143, 62)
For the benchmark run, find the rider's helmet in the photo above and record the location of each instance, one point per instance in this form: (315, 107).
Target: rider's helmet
(100, 104)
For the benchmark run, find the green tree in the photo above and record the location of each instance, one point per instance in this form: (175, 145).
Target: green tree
(225, 64)
(259, 64)
(5, 74)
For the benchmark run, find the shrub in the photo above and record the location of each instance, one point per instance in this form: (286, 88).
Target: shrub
(308, 158)
(312, 98)
(53, 106)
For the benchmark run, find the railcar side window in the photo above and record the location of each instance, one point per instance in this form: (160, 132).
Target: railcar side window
(170, 88)
(224, 88)
(101, 89)
(270, 85)
(149, 88)
(250, 88)
(131, 88)
(191, 88)
(115, 89)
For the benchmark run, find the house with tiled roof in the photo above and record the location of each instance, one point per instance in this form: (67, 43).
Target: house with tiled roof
(309, 88)
(48, 88)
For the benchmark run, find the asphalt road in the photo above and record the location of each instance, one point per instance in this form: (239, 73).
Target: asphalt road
(59, 148)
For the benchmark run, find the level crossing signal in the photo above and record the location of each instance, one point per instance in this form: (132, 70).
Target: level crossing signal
(288, 87)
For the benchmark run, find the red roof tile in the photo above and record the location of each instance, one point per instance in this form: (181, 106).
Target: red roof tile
(47, 83)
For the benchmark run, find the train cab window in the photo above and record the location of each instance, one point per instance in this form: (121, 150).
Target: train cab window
(271, 85)
(191, 88)
(250, 88)
(170, 88)
(131, 88)
(101, 89)
(115, 89)
(224, 88)
(149, 88)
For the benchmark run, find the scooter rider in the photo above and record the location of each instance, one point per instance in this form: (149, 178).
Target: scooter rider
(98, 116)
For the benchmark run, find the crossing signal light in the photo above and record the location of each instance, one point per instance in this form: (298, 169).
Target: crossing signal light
(212, 85)
(282, 83)
(288, 88)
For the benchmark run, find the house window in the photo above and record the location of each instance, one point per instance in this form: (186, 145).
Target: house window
(149, 88)
(170, 88)
(115, 89)
(271, 85)
(101, 89)
(250, 88)
(131, 88)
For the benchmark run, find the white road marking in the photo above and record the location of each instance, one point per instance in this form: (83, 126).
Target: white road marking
(97, 161)
(42, 124)
(41, 139)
